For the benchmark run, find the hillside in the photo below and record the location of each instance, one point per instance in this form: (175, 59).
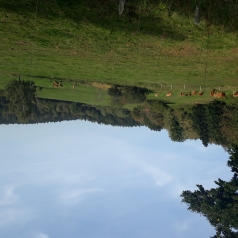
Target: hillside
(148, 45)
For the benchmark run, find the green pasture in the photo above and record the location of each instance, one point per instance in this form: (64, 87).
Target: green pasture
(84, 43)
(176, 100)
(84, 92)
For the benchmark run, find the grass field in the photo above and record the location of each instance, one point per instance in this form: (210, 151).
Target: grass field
(83, 44)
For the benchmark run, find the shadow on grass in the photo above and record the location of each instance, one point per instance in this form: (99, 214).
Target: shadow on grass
(103, 14)
(137, 18)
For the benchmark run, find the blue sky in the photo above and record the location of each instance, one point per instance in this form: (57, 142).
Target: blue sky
(79, 179)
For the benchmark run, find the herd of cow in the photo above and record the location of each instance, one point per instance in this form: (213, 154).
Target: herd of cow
(57, 85)
(214, 93)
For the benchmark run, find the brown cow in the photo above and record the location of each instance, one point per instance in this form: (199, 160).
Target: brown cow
(181, 94)
(235, 94)
(194, 92)
(219, 94)
(74, 85)
(61, 85)
(55, 85)
(169, 94)
(156, 94)
(200, 93)
(216, 94)
(222, 95)
(212, 92)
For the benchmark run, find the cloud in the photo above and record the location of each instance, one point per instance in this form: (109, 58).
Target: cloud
(74, 196)
(160, 177)
(153, 169)
(14, 216)
(8, 196)
(182, 226)
(40, 235)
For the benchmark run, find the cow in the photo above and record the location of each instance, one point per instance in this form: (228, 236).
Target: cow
(222, 95)
(219, 94)
(212, 92)
(74, 85)
(200, 93)
(156, 94)
(55, 85)
(194, 92)
(235, 94)
(169, 94)
(181, 94)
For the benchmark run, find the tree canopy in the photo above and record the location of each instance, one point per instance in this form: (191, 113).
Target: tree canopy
(22, 98)
(219, 205)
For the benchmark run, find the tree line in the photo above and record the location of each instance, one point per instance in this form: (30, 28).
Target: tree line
(219, 205)
(214, 122)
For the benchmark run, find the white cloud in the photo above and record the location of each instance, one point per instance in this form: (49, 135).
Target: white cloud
(182, 225)
(40, 235)
(74, 196)
(152, 168)
(160, 177)
(7, 196)
(15, 216)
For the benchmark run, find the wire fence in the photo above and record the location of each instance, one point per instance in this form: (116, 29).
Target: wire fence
(189, 87)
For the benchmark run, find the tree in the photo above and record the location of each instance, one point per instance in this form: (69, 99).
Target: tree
(127, 94)
(114, 92)
(22, 98)
(200, 123)
(219, 205)
(134, 94)
(176, 131)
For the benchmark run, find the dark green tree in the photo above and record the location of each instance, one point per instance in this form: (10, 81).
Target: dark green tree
(114, 92)
(233, 160)
(200, 123)
(22, 98)
(127, 94)
(176, 131)
(219, 205)
(134, 94)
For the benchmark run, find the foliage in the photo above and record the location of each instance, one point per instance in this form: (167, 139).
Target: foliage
(176, 131)
(219, 205)
(134, 94)
(212, 123)
(127, 94)
(22, 98)
(207, 119)
(115, 92)
(233, 160)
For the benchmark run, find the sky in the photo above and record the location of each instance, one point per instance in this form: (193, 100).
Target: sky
(80, 179)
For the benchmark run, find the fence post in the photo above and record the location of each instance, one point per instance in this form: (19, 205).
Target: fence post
(219, 88)
(200, 88)
(171, 86)
(184, 86)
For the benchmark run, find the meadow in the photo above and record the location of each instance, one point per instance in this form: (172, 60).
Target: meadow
(82, 43)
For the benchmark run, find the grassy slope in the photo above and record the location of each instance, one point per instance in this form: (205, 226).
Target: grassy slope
(92, 44)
